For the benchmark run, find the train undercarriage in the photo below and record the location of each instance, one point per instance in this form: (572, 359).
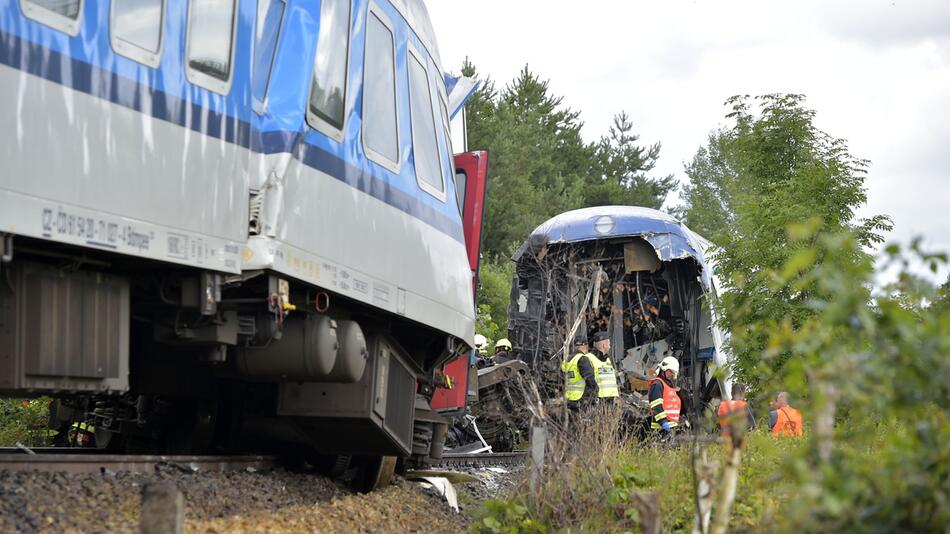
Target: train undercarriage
(176, 360)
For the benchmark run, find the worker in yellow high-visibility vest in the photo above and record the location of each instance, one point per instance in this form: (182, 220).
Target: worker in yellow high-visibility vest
(589, 374)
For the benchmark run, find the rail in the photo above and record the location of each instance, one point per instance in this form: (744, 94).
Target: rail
(94, 461)
(486, 459)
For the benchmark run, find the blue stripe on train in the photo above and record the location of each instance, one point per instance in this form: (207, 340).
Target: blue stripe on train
(45, 63)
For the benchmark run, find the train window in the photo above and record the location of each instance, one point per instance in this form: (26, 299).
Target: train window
(445, 123)
(328, 90)
(425, 144)
(380, 123)
(137, 29)
(62, 15)
(270, 16)
(461, 182)
(210, 36)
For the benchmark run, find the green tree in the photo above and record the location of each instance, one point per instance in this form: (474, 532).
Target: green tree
(712, 187)
(618, 176)
(772, 169)
(942, 300)
(493, 295)
(538, 158)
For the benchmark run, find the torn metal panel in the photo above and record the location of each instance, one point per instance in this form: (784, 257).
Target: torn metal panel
(670, 238)
(459, 89)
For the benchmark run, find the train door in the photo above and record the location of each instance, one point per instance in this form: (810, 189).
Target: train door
(471, 174)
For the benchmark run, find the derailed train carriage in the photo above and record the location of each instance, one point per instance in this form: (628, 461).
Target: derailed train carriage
(636, 273)
(234, 223)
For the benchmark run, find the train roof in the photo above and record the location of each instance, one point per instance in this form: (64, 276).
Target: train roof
(458, 88)
(669, 237)
(417, 15)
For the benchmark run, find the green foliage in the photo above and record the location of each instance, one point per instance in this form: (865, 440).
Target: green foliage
(882, 366)
(505, 517)
(757, 185)
(762, 490)
(494, 292)
(942, 301)
(541, 166)
(24, 421)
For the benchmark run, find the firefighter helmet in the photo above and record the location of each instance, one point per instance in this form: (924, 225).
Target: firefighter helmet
(670, 364)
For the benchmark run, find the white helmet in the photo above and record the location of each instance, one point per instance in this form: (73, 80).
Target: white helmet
(670, 363)
(480, 341)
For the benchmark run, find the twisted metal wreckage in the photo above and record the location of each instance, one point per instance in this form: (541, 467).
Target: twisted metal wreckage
(637, 273)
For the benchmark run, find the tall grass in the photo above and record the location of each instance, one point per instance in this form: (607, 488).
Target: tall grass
(593, 481)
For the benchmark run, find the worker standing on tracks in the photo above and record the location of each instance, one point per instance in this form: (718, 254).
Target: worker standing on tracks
(502, 351)
(734, 412)
(783, 419)
(665, 402)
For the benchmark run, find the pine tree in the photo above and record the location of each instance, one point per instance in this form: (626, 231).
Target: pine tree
(538, 158)
(618, 176)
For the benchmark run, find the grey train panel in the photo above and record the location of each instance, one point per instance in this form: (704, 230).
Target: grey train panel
(63, 330)
(405, 265)
(149, 188)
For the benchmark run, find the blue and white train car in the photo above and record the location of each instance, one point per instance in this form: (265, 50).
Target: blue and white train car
(228, 220)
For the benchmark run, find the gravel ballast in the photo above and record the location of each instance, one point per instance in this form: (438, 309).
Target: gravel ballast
(215, 502)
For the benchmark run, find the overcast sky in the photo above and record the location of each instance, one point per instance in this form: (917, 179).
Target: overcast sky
(876, 71)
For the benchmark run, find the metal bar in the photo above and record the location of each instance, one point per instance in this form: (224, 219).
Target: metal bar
(481, 459)
(95, 463)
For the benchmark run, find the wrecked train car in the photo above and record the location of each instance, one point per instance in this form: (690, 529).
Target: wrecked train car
(637, 273)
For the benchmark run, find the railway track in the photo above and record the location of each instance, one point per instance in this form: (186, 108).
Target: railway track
(84, 460)
(93, 461)
(487, 459)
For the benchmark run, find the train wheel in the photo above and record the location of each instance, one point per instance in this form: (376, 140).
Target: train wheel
(374, 472)
(108, 440)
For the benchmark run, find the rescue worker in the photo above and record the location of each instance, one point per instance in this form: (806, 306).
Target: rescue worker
(607, 387)
(81, 434)
(731, 410)
(577, 386)
(589, 374)
(502, 351)
(783, 419)
(480, 358)
(665, 402)
(481, 345)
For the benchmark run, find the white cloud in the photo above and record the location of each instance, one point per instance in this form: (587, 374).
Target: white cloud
(876, 71)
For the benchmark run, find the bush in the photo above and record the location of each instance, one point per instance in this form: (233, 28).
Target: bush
(595, 486)
(24, 421)
(494, 292)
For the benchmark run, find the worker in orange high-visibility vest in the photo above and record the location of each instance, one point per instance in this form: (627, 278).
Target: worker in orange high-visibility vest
(731, 412)
(665, 402)
(783, 419)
